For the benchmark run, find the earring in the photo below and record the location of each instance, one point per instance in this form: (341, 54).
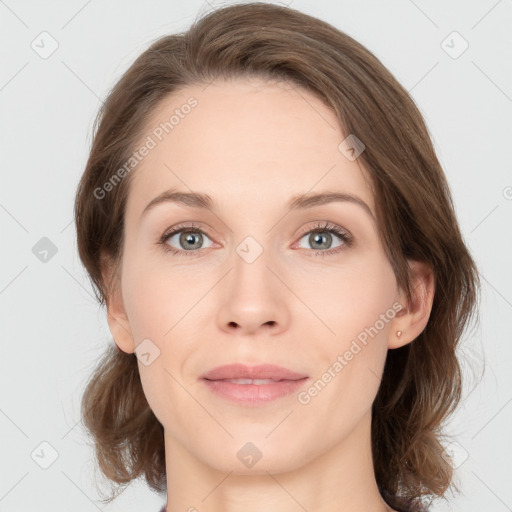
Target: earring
(399, 333)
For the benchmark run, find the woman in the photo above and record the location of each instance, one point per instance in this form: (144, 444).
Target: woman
(265, 218)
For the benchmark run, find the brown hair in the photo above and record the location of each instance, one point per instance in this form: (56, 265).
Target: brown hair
(421, 384)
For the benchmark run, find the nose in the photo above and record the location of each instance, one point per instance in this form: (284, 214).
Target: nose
(253, 298)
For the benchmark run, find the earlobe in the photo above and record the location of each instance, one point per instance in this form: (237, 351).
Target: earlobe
(120, 330)
(116, 315)
(410, 322)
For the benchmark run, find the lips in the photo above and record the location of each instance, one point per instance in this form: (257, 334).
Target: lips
(252, 374)
(253, 386)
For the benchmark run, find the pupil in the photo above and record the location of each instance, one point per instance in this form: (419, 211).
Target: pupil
(189, 238)
(317, 238)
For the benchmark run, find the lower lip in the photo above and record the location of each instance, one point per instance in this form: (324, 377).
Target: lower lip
(254, 394)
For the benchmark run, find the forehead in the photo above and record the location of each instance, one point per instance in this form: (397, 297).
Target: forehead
(267, 141)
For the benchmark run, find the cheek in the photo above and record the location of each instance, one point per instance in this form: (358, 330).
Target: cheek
(155, 298)
(350, 297)
(158, 306)
(358, 310)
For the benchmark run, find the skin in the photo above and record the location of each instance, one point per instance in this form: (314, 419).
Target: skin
(251, 145)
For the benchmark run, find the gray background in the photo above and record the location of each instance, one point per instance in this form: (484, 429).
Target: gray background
(52, 329)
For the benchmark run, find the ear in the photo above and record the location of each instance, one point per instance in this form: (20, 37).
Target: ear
(412, 319)
(116, 314)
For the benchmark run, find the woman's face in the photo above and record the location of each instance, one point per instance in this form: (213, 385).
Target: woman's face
(249, 283)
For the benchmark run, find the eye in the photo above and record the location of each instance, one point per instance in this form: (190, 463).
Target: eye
(321, 239)
(188, 238)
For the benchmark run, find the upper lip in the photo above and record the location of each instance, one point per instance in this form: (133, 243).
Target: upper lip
(242, 371)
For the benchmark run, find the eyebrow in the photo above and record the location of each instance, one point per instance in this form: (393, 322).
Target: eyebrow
(297, 202)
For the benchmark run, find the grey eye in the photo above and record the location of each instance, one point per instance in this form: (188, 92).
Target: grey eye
(321, 240)
(188, 240)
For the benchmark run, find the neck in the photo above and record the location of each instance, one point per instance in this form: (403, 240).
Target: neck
(340, 479)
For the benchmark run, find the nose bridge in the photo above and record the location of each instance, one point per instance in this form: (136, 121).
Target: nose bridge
(251, 297)
(250, 249)
(251, 261)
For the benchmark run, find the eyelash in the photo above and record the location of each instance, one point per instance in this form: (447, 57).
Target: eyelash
(317, 228)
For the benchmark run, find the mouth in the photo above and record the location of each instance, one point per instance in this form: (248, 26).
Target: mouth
(255, 373)
(253, 386)
(256, 382)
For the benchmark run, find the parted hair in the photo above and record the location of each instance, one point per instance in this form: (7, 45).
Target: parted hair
(422, 381)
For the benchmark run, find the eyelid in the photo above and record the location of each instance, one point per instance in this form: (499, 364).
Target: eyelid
(183, 227)
(323, 225)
